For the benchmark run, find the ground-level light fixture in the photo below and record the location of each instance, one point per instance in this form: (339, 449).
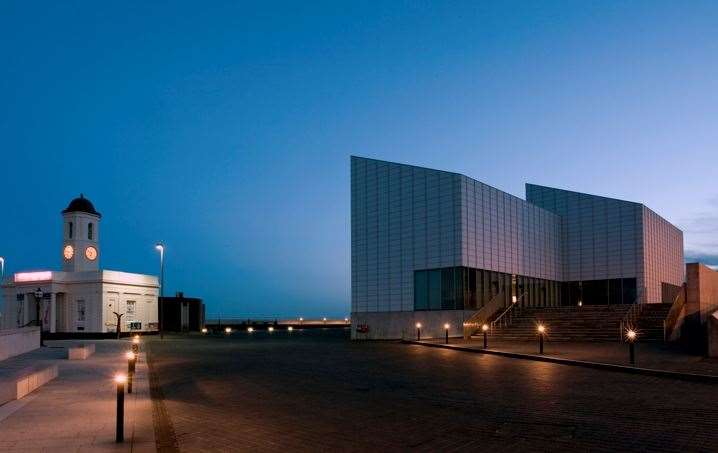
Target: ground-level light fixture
(631, 336)
(204, 330)
(250, 329)
(227, 330)
(271, 329)
(446, 329)
(418, 331)
(131, 361)
(514, 299)
(541, 333)
(120, 380)
(290, 328)
(485, 329)
(580, 303)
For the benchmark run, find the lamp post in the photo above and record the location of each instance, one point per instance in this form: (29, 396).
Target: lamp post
(446, 330)
(541, 332)
(418, 331)
(161, 248)
(38, 299)
(631, 336)
(485, 329)
(120, 379)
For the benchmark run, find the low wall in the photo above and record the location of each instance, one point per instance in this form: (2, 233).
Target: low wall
(18, 341)
(713, 335)
(701, 301)
(395, 325)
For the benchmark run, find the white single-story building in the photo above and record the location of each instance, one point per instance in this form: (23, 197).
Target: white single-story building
(81, 298)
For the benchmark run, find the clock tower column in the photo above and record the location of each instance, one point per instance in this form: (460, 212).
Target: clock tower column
(80, 236)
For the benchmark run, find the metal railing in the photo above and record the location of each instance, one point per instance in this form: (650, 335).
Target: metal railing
(506, 317)
(630, 319)
(677, 306)
(492, 307)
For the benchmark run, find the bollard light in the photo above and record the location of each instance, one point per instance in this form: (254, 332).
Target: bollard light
(580, 303)
(541, 332)
(271, 329)
(290, 328)
(250, 329)
(204, 330)
(418, 331)
(446, 329)
(120, 380)
(131, 361)
(631, 336)
(485, 329)
(136, 345)
(228, 330)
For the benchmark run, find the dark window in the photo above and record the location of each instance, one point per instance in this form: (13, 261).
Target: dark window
(435, 289)
(421, 290)
(447, 289)
(89, 231)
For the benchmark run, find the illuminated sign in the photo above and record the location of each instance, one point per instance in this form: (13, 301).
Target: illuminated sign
(23, 277)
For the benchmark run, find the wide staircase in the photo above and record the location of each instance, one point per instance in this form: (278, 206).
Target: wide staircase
(586, 323)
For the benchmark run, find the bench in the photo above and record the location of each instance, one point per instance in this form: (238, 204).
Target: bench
(80, 352)
(24, 381)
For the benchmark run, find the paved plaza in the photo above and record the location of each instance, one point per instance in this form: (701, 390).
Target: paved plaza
(317, 391)
(75, 412)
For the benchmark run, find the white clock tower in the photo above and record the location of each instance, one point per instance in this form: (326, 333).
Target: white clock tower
(80, 236)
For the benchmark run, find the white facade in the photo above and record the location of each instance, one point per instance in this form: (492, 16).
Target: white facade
(81, 298)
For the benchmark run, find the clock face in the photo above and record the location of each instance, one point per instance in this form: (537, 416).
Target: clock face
(91, 253)
(68, 252)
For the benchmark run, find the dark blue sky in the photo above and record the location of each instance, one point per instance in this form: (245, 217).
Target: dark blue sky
(225, 129)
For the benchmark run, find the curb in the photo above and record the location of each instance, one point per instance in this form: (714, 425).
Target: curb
(691, 377)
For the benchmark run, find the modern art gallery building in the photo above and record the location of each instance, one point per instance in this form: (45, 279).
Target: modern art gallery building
(432, 246)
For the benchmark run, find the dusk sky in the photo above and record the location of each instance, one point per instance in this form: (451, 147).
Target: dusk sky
(225, 130)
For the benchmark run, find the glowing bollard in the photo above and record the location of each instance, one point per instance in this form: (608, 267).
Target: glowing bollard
(485, 329)
(446, 329)
(418, 331)
(228, 330)
(250, 329)
(290, 328)
(120, 379)
(541, 333)
(204, 330)
(631, 336)
(270, 329)
(131, 361)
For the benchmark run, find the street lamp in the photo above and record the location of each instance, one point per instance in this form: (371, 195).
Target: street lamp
(485, 329)
(38, 299)
(161, 248)
(418, 331)
(631, 336)
(541, 332)
(446, 329)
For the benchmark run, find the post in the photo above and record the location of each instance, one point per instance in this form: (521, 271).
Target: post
(446, 329)
(632, 352)
(486, 340)
(418, 331)
(120, 425)
(541, 343)
(131, 359)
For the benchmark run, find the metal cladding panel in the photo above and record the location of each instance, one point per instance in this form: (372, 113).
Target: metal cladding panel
(403, 218)
(507, 234)
(605, 238)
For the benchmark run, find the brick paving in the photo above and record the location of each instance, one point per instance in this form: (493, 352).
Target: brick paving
(317, 391)
(648, 354)
(76, 411)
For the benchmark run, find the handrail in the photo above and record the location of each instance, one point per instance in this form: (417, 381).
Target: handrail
(508, 309)
(679, 302)
(481, 316)
(630, 318)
